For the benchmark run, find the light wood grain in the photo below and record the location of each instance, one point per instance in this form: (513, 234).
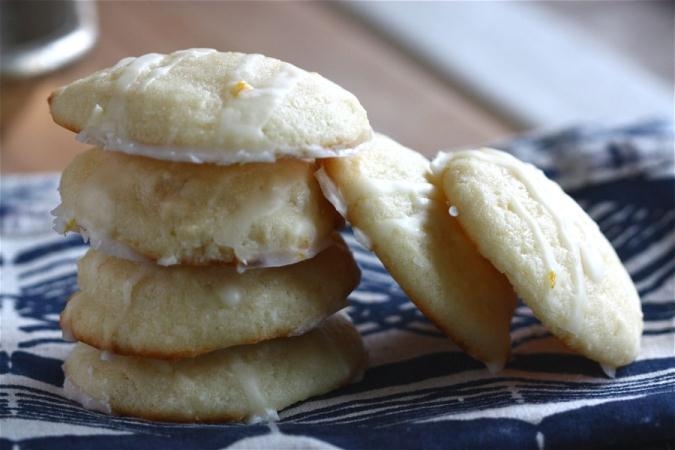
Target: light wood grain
(403, 99)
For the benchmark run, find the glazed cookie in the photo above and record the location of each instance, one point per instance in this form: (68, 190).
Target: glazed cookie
(172, 312)
(552, 252)
(248, 382)
(201, 105)
(259, 214)
(386, 194)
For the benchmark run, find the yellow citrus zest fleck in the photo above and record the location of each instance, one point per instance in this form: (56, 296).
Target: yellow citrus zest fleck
(71, 225)
(551, 279)
(239, 87)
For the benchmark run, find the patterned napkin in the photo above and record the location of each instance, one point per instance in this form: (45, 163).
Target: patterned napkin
(421, 391)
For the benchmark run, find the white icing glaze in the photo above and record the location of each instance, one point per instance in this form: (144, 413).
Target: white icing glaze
(178, 57)
(111, 247)
(61, 219)
(170, 260)
(245, 114)
(73, 392)
(609, 370)
(130, 284)
(584, 257)
(542, 243)
(419, 195)
(331, 191)
(414, 189)
(593, 265)
(439, 163)
(261, 204)
(111, 118)
(221, 156)
(246, 258)
(121, 63)
(413, 224)
(267, 258)
(230, 295)
(260, 408)
(98, 240)
(106, 123)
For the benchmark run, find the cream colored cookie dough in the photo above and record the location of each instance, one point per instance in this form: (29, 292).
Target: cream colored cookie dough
(386, 195)
(247, 382)
(171, 312)
(552, 252)
(258, 214)
(200, 105)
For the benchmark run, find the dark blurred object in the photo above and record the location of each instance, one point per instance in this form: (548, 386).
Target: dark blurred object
(42, 36)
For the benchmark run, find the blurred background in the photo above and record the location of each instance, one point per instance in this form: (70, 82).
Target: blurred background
(433, 75)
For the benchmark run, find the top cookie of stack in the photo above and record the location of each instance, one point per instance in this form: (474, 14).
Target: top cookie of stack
(204, 106)
(211, 171)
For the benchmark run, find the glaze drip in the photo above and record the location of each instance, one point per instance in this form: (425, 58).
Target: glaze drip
(585, 259)
(245, 112)
(260, 408)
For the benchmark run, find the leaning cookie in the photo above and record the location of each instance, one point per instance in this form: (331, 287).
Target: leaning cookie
(201, 105)
(552, 252)
(146, 310)
(386, 195)
(240, 383)
(258, 214)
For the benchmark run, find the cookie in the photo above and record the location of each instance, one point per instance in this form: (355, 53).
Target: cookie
(200, 105)
(172, 312)
(247, 382)
(553, 253)
(386, 194)
(252, 215)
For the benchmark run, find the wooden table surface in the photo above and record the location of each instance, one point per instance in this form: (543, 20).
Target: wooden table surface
(403, 98)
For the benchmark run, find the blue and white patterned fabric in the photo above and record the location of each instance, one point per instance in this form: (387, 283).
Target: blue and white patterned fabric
(421, 391)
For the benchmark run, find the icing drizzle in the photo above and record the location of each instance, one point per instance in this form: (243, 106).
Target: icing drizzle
(106, 124)
(585, 259)
(245, 258)
(73, 392)
(247, 106)
(130, 284)
(261, 409)
(246, 111)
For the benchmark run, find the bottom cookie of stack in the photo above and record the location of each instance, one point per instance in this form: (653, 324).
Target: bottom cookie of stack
(247, 382)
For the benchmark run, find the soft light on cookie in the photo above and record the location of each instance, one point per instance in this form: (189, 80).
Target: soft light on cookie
(392, 204)
(204, 106)
(553, 253)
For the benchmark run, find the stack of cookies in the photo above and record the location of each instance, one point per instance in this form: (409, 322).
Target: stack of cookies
(215, 271)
